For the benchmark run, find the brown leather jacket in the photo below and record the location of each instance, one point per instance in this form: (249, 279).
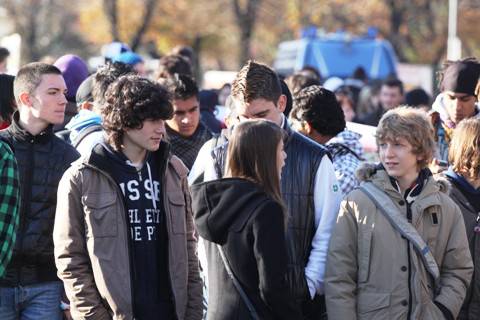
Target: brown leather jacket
(91, 243)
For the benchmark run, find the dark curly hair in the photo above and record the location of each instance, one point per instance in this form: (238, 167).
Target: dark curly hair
(320, 109)
(104, 77)
(181, 86)
(130, 101)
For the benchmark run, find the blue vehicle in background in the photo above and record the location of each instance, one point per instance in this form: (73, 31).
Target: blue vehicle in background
(337, 55)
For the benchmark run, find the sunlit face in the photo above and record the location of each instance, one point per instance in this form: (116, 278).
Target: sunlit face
(281, 156)
(459, 105)
(146, 138)
(259, 109)
(399, 160)
(186, 116)
(390, 97)
(48, 101)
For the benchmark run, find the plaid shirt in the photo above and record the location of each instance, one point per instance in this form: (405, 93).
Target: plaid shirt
(342, 148)
(9, 204)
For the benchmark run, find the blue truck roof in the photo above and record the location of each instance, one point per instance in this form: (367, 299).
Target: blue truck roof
(338, 56)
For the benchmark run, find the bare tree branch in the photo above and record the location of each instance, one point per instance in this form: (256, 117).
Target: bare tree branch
(147, 17)
(110, 7)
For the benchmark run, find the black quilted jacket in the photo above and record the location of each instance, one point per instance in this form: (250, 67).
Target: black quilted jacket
(41, 159)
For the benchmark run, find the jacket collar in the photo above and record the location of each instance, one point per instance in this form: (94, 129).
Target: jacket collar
(428, 195)
(23, 135)
(99, 159)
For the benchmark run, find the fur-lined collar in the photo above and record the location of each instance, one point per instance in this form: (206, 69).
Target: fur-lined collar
(368, 172)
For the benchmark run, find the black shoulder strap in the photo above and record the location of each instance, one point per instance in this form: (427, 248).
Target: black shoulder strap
(253, 313)
(344, 147)
(84, 133)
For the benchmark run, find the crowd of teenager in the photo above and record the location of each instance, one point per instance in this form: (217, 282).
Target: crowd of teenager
(122, 196)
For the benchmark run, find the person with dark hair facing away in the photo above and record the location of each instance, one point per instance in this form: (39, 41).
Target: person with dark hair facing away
(125, 244)
(418, 98)
(171, 64)
(4, 54)
(309, 187)
(208, 100)
(299, 80)
(243, 215)
(7, 100)
(391, 96)
(458, 100)
(30, 288)
(464, 176)
(289, 98)
(318, 115)
(185, 131)
(399, 249)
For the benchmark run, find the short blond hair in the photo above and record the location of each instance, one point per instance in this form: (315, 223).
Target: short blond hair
(464, 149)
(413, 125)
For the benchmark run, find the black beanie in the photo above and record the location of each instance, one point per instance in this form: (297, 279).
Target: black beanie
(461, 77)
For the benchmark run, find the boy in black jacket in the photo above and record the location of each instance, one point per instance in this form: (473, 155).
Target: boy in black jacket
(31, 288)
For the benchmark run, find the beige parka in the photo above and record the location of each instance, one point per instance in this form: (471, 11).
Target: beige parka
(374, 273)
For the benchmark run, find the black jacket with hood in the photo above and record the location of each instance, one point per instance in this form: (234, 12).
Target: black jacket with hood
(250, 227)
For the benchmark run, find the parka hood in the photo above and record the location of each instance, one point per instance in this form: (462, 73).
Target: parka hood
(223, 205)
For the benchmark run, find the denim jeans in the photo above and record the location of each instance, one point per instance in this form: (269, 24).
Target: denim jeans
(35, 302)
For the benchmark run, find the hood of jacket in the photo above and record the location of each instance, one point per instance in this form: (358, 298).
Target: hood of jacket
(349, 139)
(82, 120)
(376, 174)
(220, 205)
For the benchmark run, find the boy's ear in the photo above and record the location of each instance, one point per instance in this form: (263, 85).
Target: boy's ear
(308, 128)
(25, 99)
(282, 102)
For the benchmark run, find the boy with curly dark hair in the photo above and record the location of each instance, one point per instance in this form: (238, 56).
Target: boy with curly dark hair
(317, 114)
(125, 246)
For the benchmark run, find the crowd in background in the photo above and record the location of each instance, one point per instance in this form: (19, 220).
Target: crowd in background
(124, 196)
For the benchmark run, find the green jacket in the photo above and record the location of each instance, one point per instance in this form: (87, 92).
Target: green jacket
(9, 204)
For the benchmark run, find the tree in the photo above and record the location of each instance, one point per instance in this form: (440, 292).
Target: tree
(245, 19)
(46, 28)
(110, 8)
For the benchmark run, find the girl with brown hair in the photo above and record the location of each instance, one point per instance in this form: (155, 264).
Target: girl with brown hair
(242, 220)
(464, 175)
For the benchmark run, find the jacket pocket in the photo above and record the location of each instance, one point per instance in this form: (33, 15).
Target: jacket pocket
(100, 214)
(177, 208)
(372, 305)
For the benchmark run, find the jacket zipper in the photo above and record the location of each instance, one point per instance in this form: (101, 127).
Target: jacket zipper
(26, 199)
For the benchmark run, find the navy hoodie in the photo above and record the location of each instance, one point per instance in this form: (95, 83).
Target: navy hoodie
(149, 239)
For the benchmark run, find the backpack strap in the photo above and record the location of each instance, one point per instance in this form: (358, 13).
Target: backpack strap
(391, 212)
(238, 286)
(331, 146)
(84, 133)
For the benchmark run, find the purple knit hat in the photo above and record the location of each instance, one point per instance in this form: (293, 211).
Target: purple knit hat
(74, 71)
